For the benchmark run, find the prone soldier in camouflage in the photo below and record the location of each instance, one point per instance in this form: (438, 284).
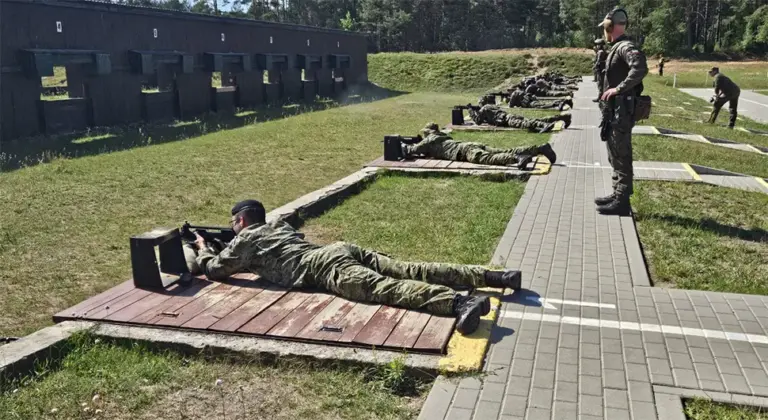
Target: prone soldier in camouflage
(535, 89)
(623, 83)
(599, 66)
(279, 254)
(520, 99)
(438, 145)
(725, 91)
(495, 116)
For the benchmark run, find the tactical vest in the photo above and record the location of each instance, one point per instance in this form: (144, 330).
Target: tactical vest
(616, 69)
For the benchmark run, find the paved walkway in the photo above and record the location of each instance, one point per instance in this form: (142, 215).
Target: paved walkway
(590, 339)
(752, 104)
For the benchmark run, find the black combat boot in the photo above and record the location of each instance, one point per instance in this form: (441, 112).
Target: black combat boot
(506, 278)
(567, 119)
(568, 102)
(596, 100)
(547, 151)
(547, 128)
(619, 206)
(468, 310)
(601, 201)
(523, 161)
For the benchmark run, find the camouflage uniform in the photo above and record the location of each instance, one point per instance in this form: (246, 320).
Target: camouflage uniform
(439, 145)
(534, 89)
(279, 254)
(661, 66)
(493, 115)
(725, 91)
(625, 69)
(521, 99)
(600, 69)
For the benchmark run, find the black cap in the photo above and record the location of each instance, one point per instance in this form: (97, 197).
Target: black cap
(247, 205)
(715, 70)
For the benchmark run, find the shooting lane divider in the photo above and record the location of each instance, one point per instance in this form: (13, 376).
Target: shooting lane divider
(762, 182)
(467, 352)
(690, 170)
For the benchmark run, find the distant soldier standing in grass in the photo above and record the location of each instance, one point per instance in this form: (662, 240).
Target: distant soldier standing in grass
(725, 91)
(662, 60)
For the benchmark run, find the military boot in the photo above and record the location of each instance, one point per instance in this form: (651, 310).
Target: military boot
(619, 206)
(568, 102)
(547, 128)
(468, 310)
(567, 119)
(512, 279)
(523, 161)
(547, 151)
(601, 201)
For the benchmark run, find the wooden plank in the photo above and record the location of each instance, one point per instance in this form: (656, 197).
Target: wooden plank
(145, 304)
(377, 330)
(115, 305)
(421, 162)
(85, 306)
(172, 305)
(331, 316)
(275, 313)
(215, 313)
(436, 334)
(193, 308)
(300, 317)
(408, 330)
(431, 163)
(356, 320)
(443, 163)
(248, 310)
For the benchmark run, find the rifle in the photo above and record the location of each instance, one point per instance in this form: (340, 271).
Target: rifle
(217, 237)
(504, 95)
(393, 149)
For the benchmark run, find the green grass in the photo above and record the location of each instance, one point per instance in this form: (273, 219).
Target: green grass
(667, 149)
(691, 118)
(571, 64)
(748, 75)
(703, 409)
(703, 237)
(59, 78)
(84, 210)
(134, 382)
(445, 72)
(456, 219)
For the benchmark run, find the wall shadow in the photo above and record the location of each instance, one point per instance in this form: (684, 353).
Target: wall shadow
(32, 151)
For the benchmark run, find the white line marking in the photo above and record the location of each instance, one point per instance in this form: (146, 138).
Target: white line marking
(540, 302)
(578, 303)
(754, 102)
(636, 326)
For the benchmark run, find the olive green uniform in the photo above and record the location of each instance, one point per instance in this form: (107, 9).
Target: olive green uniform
(599, 69)
(493, 115)
(279, 254)
(625, 69)
(439, 145)
(726, 92)
(533, 89)
(521, 99)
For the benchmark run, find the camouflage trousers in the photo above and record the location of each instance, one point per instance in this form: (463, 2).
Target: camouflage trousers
(484, 155)
(733, 105)
(516, 121)
(539, 104)
(354, 273)
(553, 93)
(620, 157)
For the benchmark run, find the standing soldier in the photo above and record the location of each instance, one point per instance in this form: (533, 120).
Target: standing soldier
(623, 83)
(725, 91)
(599, 66)
(662, 60)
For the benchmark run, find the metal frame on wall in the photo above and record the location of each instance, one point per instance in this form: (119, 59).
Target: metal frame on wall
(110, 51)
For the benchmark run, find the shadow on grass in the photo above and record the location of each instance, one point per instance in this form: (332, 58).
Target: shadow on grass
(752, 235)
(32, 151)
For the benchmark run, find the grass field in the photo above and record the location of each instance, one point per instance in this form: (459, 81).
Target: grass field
(105, 380)
(667, 149)
(702, 409)
(703, 237)
(747, 74)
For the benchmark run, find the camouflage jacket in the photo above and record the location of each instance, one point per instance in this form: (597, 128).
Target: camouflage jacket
(275, 251)
(488, 114)
(725, 86)
(625, 67)
(436, 145)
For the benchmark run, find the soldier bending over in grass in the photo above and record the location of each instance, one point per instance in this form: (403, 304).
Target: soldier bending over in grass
(279, 254)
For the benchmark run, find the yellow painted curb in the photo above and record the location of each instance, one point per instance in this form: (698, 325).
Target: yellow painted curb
(466, 352)
(691, 171)
(762, 182)
(542, 166)
(656, 130)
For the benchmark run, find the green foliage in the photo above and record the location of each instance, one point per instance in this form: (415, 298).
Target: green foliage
(444, 72)
(347, 23)
(756, 32)
(703, 409)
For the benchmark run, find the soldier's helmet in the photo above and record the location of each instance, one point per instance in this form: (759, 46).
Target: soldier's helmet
(430, 127)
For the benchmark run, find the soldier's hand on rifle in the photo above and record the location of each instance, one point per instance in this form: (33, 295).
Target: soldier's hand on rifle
(608, 94)
(199, 242)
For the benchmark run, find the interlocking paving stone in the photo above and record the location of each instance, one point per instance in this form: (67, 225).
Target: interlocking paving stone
(560, 370)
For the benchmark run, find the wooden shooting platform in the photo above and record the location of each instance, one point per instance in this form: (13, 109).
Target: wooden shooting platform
(246, 305)
(539, 166)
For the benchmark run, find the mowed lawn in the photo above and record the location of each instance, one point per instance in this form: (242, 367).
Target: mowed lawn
(702, 409)
(703, 237)
(65, 226)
